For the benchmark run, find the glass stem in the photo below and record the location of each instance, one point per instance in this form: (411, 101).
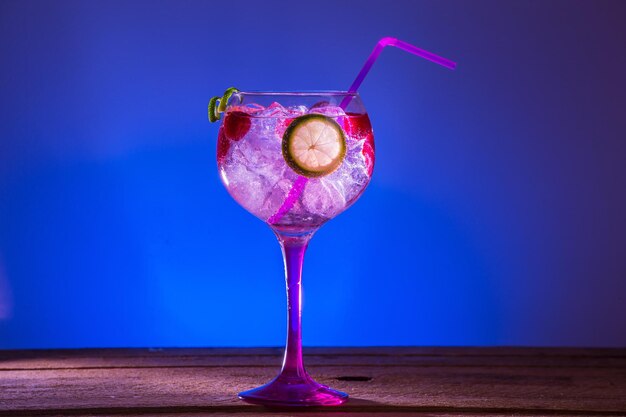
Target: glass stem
(293, 248)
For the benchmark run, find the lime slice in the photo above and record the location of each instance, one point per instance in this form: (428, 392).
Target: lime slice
(216, 109)
(314, 145)
(224, 101)
(213, 115)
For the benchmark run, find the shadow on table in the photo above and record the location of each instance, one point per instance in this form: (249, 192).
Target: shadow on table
(351, 406)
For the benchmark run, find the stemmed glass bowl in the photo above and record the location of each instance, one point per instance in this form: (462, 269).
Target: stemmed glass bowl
(295, 160)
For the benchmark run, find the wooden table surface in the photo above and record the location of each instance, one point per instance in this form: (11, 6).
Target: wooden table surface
(381, 381)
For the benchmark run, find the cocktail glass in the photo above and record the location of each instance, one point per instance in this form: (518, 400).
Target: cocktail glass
(295, 160)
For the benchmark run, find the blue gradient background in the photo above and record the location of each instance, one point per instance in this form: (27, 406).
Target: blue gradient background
(496, 215)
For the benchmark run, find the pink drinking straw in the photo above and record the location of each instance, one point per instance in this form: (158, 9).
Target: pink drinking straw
(298, 186)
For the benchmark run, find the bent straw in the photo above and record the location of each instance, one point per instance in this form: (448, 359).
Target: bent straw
(388, 41)
(298, 186)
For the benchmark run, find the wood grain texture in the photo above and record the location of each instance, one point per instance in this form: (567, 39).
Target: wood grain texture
(380, 381)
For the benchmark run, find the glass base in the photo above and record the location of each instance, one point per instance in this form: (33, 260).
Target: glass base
(294, 392)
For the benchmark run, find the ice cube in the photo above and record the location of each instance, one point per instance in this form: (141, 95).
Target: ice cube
(245, 186)
(295, 111)
(273, 110)
(276, 197)
(324, 197)
(328, 110)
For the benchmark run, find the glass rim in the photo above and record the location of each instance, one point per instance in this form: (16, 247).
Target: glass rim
(302, 93)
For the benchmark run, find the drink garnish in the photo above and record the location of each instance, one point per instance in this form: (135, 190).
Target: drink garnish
(223, 145)
(213, 115)
(217, 105)
(368, 153)
(236, 125)
(225, 97)
(314, 145)
(358, 126)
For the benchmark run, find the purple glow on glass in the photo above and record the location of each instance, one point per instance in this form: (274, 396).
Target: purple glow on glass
(293, 386)
(300, 183)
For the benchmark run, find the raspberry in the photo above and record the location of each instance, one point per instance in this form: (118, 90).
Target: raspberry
(368, 153)
(236, 125)
(357, 125)
(223, 145)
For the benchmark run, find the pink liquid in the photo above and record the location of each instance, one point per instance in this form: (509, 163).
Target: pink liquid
(253, 169)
